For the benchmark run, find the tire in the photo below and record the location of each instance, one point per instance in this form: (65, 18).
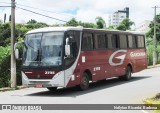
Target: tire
(52, 88)
(128, 74)
(84, 83)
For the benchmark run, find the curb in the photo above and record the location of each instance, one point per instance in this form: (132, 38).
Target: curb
(149, 67)
(11, 89)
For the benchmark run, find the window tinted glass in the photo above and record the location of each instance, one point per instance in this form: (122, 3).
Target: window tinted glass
(109, 41)
(123, 41)
(112, 41)
(87, 41)
(100, 42)
(140, 41)
(131, 41)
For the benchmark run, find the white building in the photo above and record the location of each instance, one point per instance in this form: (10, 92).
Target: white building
(143, 26)
(116, 18)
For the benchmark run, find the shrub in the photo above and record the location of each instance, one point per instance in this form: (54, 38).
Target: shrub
(5, 56)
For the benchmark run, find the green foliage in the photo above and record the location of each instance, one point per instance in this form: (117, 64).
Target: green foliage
(87, 24)
(150, 54)
(100, 22)
(150, 33)
(21, 30)
(125, 24)
(32, 21)
(4, 66)
(74, 22)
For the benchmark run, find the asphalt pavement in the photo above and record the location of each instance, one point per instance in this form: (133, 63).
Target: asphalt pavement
(143, 84)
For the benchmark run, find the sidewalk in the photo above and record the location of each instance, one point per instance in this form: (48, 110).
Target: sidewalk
(158, 65)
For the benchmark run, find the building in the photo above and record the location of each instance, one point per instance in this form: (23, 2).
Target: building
(143, 26)
(116, 18)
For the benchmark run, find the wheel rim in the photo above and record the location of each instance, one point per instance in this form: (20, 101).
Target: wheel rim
(84, 83)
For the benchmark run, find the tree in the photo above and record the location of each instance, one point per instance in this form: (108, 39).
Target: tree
(87, 24)
(100, 22)
(32, 21)
(125, 25)
(150, 33)
(72, 22)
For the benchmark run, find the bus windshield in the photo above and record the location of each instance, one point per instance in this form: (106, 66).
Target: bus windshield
(43, 49)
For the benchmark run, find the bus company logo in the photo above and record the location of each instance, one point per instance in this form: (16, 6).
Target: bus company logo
(122, 57)
(132, 54)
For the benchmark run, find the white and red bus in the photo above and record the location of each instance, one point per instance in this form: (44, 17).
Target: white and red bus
(73, 56)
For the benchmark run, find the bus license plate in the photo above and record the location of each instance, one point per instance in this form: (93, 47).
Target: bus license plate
(39, 85)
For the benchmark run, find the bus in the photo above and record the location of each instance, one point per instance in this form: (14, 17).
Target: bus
(74, 56)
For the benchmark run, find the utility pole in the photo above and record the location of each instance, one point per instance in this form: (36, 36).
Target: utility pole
(154, 38)
(13, 60)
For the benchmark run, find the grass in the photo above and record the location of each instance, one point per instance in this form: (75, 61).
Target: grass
(153, 100)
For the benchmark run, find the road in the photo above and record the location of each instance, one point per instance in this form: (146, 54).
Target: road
(112, 91)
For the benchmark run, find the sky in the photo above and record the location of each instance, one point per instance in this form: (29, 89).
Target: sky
(82, 10)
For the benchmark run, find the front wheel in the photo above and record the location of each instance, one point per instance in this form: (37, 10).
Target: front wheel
(52, 88)
(84, 83)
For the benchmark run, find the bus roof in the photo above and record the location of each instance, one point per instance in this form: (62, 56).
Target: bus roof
(48, 29)
(114, 31)
(79, 28)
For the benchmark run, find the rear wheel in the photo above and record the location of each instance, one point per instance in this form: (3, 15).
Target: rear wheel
(84, 84)
(128, 74)
(52, 88)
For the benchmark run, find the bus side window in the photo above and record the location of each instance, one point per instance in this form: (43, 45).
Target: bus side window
(114, 41)
(131, 41)
(140, 41)
(123, 41)
(109, 41)
(87, 41)
(99, 41)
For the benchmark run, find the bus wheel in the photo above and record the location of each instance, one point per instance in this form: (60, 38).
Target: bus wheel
(128, 74)
(52, 88)
(84, 84)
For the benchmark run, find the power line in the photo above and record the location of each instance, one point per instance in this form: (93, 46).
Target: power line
(5, 6)
(70, 15)
(45, 10)
(41, 14)
(5, 2)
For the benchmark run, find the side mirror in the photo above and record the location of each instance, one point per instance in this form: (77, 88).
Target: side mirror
(67, 50)
(16, 51)
(17, 54)
(67, 47)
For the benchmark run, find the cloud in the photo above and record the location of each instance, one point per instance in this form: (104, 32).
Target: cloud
(84, 10)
